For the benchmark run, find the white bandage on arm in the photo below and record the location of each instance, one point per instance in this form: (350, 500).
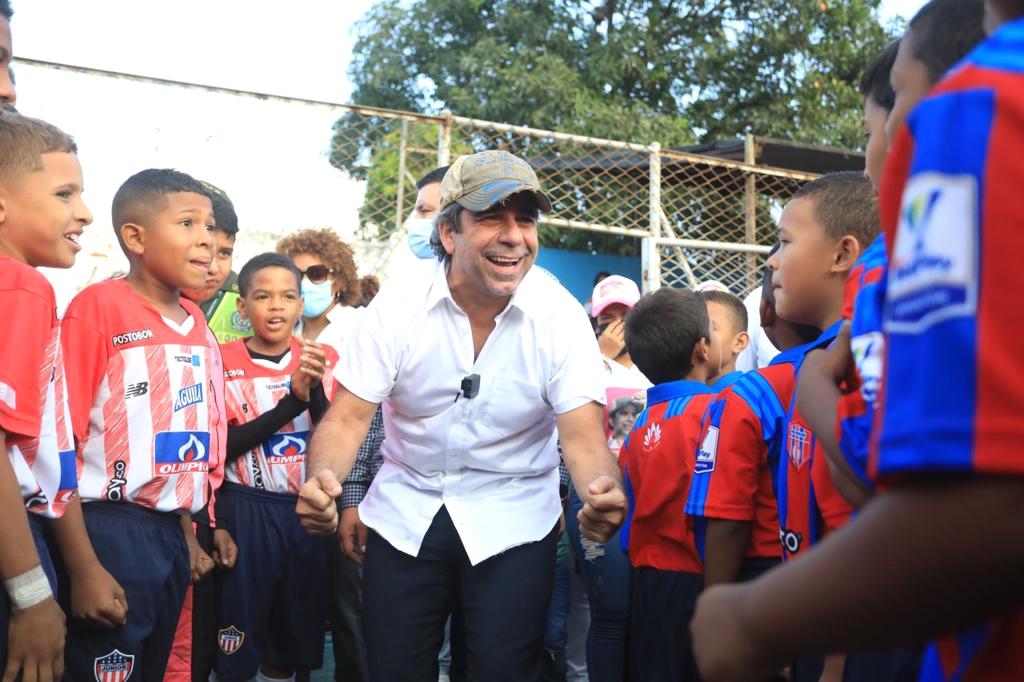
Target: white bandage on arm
(29, 588)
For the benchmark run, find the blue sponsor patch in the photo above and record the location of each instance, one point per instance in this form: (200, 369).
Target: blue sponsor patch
(286, 447)
(190, 395)
(177, 452)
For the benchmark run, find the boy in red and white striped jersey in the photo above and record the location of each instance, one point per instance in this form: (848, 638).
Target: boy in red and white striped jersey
(146, 388)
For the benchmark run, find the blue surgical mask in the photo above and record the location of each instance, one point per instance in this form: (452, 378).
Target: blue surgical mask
(419, 230)
(316, 298)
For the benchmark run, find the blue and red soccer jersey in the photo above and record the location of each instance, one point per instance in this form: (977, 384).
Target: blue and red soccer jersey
(657, 461)
(863, 304)
(954, 216)
(733, 475)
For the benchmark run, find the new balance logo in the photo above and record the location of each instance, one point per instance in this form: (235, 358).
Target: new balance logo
(136, 390)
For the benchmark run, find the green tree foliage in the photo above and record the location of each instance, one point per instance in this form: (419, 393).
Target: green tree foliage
(675, 71)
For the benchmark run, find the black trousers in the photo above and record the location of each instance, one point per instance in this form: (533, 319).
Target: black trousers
(345, 616)
(661, 607)
(503, 603)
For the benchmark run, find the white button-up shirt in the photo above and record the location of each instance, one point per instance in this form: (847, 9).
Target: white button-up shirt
(492, 460)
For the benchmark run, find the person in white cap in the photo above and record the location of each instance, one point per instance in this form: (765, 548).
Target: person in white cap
(475, 367)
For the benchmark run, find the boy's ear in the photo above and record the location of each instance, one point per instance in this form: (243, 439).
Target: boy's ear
(240, 304)
(740, 342)
(3, 205)
(134, 238)
(846, 253)
(701, 352)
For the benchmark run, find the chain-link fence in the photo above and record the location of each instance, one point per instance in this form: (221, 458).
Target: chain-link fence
(689, 217)
(695, 217)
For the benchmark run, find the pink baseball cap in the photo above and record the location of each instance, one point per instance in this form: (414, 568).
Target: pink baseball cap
(614, 289)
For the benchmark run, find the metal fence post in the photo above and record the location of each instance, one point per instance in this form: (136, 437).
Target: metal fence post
(444, 140)
(400, 194)
(750, 207)
(650, 249)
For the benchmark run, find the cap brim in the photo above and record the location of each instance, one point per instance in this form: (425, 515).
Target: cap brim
(596, 310)
(492, 193)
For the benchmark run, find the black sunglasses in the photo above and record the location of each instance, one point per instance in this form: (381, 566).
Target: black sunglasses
(317, 273)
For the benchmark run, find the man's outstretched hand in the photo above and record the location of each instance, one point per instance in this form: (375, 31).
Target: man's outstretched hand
(317, 510)
(604, 511)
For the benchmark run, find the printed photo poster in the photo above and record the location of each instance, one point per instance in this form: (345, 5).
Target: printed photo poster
(622, 408)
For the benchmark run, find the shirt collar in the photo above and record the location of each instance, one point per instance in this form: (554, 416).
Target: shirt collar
(727, 380)
(796, 355)
(662, 393)
(525, 298)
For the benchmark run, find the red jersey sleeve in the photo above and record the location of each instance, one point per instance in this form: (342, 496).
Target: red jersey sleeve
(25, 305)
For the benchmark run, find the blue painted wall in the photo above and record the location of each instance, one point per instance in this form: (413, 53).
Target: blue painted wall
(576, 269)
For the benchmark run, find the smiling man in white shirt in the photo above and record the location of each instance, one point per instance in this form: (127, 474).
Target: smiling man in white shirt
(475, 366)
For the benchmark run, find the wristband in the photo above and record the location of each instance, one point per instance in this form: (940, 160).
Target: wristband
(29, 588)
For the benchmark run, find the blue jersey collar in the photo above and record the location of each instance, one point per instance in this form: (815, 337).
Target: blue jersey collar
(662, 393)
(796, 355)
(725, 381)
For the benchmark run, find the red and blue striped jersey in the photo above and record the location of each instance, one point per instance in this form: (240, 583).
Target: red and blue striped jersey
(809, 504)
(954, 218)
(863, 303)
(657, 461)
(733, 475)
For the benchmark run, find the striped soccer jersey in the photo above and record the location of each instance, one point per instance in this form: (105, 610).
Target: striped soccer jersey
(33, 394)
(147, 400)
(253, 387)
(954, 389)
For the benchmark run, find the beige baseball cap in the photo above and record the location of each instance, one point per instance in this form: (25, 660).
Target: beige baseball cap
(479, 181)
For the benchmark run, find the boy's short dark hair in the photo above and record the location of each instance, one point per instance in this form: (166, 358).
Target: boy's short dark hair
(143, 194)
(944, 31)
(5, 9)
(732, 302)
(662, 330)
(269, 259)
(845, 204)
(436, 175)
(875, 83)
(24, 140)
(223, 210)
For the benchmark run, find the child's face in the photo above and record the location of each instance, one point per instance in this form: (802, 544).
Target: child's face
(273, 304)
(802, 266)
(42, 214)
(176, 247)
(220, 268)
(875, 118)
(727, 341)
(7, 95)
(910, 81)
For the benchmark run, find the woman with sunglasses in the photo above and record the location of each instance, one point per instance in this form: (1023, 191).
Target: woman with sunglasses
(330, 284)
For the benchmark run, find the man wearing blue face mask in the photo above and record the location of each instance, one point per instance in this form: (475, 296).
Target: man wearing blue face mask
(420, 223)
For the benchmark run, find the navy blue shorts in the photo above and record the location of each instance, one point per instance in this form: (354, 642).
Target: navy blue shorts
(37, 525)
(273, 603)
(661, 608)
(145, 552)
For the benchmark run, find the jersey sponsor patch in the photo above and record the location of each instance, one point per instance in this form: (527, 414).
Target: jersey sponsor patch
(114, 667)
(181, 452)
(708, 452)
(189, 395)
(132, 337)
(932, 276)
(283, 448)
(230, 639)
(652, 436)
(868, 350)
